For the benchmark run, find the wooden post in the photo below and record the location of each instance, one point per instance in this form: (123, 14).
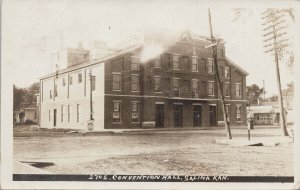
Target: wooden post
(215, 57)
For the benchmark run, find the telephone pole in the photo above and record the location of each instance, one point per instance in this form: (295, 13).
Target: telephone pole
(91, 95)
(275, 44)
(215, 58)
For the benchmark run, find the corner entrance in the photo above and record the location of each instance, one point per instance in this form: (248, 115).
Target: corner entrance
(159, 115)
(178, 115)
(197, 115)
(212, 115)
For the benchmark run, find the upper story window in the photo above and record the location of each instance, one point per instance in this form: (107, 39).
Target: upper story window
(210, 66)
(176, 86)
(134, 83)
(135, 62)
(195, 87)
(238, 90)
(203, 87)
(211, 88)
(221, 70)
(157, 62)
(157, 84)
(116, 81)
(50, 94)
(194, 64)
(175, 61)
(79, 77)
(227, 89)
(55, 90)
(70, 80)
(63, 81)
(238, 112)
(227, 72)
(222, 52)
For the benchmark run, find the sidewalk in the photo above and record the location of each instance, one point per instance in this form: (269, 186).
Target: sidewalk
(21, 168)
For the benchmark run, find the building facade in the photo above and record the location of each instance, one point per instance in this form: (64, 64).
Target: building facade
(136, 88)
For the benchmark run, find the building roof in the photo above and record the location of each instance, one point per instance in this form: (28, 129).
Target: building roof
(263, 109)
(93, 62)
(237, 66)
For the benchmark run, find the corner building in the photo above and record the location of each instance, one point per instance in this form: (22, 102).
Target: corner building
(140, 88)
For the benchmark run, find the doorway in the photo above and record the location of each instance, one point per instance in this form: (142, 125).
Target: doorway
(197, 115)
(178, 115)
(159, 115)
(212, 115)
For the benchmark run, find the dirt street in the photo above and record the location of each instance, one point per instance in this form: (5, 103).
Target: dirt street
(191, 152)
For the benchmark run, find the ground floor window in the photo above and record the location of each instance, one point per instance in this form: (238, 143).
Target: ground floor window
(238, 112)
(49, 115)
(62, 113)
(78, 112)
(135, 112)
(69, 113)
(117, 112)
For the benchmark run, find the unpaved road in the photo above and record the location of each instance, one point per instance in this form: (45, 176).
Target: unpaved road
(192, 152)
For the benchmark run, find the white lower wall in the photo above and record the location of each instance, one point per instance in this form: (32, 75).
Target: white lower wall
(84, 101)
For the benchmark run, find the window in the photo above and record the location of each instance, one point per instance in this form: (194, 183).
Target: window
(227, 89)
(63, 82)
(116, 81)
(211, 88)
(227, 72)
(78, 112)
(175, 61)
(69, 113)
(221, 70)
(79, 77)
(116, 112)
(135, 112)
(176, 86)
(195, 87)
(222, 52)
(55, 90)
(238, 112)
(157, 62)
(134, 83)
(70, 80)
(135, 61)
(62, 113)
(238, 90)
(210, 66)
(93, 83)
(194, 64)
(50, 94)
(149, 82)
(157, 84)
(185, 86)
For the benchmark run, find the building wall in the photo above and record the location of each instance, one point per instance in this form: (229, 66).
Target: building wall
(71, 95)
(104, 96)
(148, 97)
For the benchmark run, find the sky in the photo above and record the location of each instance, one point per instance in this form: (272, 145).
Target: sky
(33, 30)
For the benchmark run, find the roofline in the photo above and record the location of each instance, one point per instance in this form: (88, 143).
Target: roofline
(93, 62)
(238, 67)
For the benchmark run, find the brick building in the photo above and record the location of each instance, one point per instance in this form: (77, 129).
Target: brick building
(142, 87)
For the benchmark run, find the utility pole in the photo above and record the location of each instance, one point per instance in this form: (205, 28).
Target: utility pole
(215, 58)
(275, 43)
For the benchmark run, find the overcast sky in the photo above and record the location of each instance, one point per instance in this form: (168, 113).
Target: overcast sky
(32, 30)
